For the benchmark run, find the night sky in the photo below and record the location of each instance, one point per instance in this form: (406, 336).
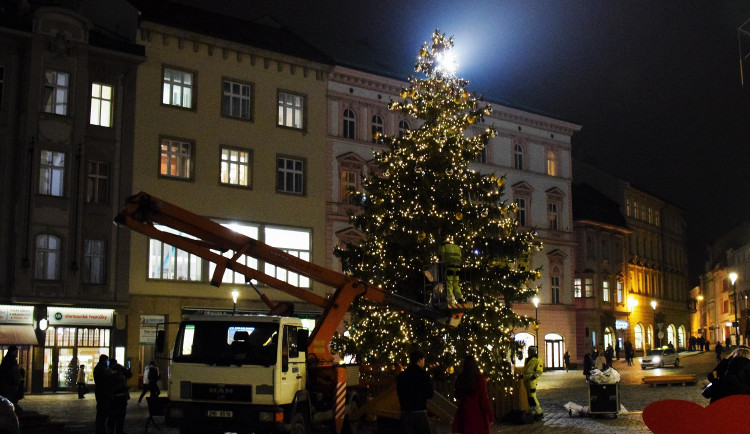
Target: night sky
(655, 84)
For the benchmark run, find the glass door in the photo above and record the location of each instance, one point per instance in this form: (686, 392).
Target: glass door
(66, 368)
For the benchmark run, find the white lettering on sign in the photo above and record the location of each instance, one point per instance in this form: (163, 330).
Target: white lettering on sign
(10, 314)
(79, 316)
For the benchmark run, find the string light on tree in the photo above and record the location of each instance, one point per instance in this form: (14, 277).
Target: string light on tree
(422, 192)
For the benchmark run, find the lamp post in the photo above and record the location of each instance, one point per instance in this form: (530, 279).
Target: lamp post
(235, 296)
(733, 279)
(656, 336)
(535, 300)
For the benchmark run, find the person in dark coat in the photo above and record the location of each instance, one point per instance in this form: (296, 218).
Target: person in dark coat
(587, 365)
(474, 414)
(103, 392)
(609, 354)
(737, 375)
(718, 349)
(629, 353)
(150, 381)
(120, 396)
(414, 388)
(10, 376)
(566, 360)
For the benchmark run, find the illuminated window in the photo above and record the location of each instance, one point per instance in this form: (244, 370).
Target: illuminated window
(620, 295)
(577, 288)
(638, 336)
(97, 182)
(291, 110)
(47, 257)
(175, 159)
(177, 88)
(349, 120)
(101, 105)
(51, 173)
(296, 242)
(552, 163)
(290, 175)
(605, 291)
(170, 263)
(235, 167)
(56, 90)
(236, 99)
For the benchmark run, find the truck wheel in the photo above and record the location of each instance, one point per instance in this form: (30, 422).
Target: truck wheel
(299, 424)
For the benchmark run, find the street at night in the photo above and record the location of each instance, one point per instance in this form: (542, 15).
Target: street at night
(556, 388)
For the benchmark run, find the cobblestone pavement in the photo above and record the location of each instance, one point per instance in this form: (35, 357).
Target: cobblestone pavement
(556, 388)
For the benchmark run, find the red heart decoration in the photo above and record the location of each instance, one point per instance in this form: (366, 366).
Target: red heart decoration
(730, 414)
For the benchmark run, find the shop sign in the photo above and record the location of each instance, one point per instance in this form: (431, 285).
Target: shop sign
(79, 316)
(621, 324)
(10, 314)
(147, 335)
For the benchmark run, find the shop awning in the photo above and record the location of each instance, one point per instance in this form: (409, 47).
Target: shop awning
(18, 335)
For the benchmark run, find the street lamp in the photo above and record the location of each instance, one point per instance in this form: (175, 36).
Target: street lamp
(656, 335)
(535, 300)
(235, 295)
(733, 279)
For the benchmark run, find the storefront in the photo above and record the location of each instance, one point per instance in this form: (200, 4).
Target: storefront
(17, 328)
(75, 336)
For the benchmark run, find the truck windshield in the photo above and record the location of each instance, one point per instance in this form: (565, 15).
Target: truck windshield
(227, 343)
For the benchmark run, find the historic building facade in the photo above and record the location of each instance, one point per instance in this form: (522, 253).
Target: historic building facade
(230, 125)
(722, 308)
(67, 105)
(655, 301)
(531, 150)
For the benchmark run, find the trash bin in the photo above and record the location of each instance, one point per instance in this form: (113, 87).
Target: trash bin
(604, 398)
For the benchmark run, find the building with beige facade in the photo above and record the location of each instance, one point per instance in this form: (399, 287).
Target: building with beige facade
(722, 304)
(231, 125)
(67, 105)
(655, 301)
(531, 150)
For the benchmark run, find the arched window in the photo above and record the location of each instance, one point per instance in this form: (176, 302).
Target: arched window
(402, 127)
(672, 335)
(377, 128)
(527, 340)
(680, 337)
(638, 336)
(348, 130)
(554, 349)
(48, 252)
(518, 157)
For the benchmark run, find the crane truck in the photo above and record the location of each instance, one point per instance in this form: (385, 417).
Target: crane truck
(260, 373)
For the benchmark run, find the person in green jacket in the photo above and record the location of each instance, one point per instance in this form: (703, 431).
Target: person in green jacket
(531, 373)
(450, 256)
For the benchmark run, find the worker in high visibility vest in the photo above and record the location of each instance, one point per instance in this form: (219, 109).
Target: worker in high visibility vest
(450, 255)
(531, 373)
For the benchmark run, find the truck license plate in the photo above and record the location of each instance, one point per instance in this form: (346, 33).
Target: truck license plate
(219, 413)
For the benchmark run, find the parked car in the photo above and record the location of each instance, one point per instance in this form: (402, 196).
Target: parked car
(660, 357)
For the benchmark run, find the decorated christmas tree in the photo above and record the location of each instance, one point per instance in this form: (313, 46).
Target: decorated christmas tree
(424, 195)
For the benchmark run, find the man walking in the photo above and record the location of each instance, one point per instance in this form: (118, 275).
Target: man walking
(150, 379)
(414, 388)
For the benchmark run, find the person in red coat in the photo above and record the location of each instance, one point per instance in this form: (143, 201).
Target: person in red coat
(474, 414)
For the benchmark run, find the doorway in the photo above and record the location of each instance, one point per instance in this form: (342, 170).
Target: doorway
(554, 350)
